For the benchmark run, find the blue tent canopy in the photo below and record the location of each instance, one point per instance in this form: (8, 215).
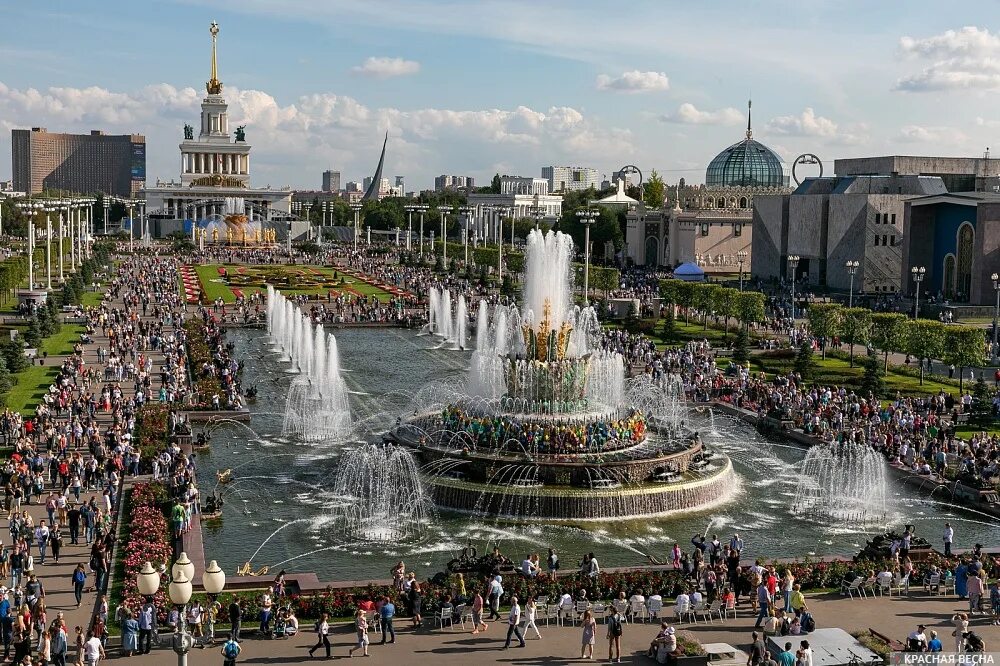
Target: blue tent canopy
(689, 272)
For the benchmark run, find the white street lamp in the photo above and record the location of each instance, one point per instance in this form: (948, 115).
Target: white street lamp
(793, 264)
(587, 218)
(852, 268)
(996, 313)
(741, 257)
(918, 273)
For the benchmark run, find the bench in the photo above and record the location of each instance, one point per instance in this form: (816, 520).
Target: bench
(895, 646)
(962, 418)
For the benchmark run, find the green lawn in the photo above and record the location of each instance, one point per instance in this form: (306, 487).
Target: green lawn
(839, 372)
(215, 285)
(92, 299)
(30, 384)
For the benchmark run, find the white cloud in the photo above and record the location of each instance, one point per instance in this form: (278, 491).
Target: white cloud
(688, 114)
(806, 123)
(634, 82)
(929, 134)
(384, 68)
(318, 130)
(966, 58)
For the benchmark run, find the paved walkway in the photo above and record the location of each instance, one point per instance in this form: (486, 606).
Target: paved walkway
(56, 577)
(894, 617)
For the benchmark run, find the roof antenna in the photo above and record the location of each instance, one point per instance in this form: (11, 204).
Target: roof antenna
(749, 130)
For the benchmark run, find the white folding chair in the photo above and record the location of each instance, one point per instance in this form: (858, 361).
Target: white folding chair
(552, 612)
(654, 609)
(579, 608)
(442, 616)
(460, 612)
(466, 614)
(703, 610)
(682, 610)
(600, 611)
(855, 586)
(638, 610)
(729, 608)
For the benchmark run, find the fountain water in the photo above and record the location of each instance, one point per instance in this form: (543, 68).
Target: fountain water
(842, 481)
(316, 408)
(384, 499)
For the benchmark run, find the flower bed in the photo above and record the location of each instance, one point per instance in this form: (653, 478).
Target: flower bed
(150, 433)
(147, 539)
(199, 354)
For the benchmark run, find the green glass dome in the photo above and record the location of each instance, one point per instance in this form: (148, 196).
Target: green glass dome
(748, 163)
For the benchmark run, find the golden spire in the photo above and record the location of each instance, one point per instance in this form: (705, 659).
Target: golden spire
(214, 85)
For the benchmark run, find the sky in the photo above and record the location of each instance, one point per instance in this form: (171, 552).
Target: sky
(480, 87)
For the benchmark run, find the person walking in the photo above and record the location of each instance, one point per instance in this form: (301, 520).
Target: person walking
(553, 563)
(614, 623)
(58, 644)
(93, 650)
(387, 612)
(361, 629)
(79, 580)
(589, 625)
(230, 651)
(478, 624)
(322, 635)
(513, 620)
(495, 592)
(235, 619)
(530, 612)
(764, 600)
(147, 621)
(975, 588)
(949, 536)
(961, 623)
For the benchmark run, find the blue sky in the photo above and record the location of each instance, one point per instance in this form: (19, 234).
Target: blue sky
(479, 87)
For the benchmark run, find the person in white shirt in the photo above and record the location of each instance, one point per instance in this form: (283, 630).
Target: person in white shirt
(682, 603)
(93, 651)
(566, 599)
(528, 567)
(949, 536)
(805, 654)
(513, 620)
(696, 598)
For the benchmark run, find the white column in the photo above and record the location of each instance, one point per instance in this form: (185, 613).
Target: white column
(62, 234)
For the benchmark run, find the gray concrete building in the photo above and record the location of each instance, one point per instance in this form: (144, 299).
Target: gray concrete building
(830, 221)
(959, 174)
(331, 181)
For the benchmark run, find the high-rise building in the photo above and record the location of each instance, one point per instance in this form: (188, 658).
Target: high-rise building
(95, 162)
(354, 186)
(444, 182)
(570, 179)
(331, 181)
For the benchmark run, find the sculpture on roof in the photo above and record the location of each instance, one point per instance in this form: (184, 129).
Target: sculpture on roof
(188, 132)
(241, 133)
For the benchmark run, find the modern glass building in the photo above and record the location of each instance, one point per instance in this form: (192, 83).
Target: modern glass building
(748, 163)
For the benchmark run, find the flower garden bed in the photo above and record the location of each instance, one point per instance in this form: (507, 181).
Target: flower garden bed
(146, 539)
(199, 354)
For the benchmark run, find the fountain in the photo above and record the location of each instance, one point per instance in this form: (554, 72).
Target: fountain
(442, 323)
(383, 497)
(316, 408)
(547, 412)
(843, 482)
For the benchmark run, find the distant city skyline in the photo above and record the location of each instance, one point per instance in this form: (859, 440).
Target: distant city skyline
(508, 87)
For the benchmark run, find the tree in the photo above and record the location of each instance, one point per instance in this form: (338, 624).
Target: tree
(33, 334)
(750, 308)
(856, 326)
(669, 328)
(685, 297)
(888, 334)
(724, 305)
(871, 381)
(924, 340)
(654, 192)
(704, 300)
(824, 321)
(963, 347)
(804, 363)
(495, 184)
(668, 291)
(13, 353)
(741, 347)
(982, 405)
(6, 381)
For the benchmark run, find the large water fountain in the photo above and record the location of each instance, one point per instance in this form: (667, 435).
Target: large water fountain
(843, 482)
(443, 322)
(547, 412)
(316, 408)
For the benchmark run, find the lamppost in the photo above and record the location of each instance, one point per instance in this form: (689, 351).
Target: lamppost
(741, 258)
(500, 212)
(409, 208)
(445, 211)
(357, 212)
(918, 273)
(793, 263)
(48, 248)
(587, 217)
(996, 313)
(180, 590)
(538, 213)
(30, 209)
(852, 268)
(467, 212)
(62, 235)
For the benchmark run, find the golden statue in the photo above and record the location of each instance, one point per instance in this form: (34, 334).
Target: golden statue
(256, 236)
(244, 232)
(215, 235)
(246, 569)
(229, 235)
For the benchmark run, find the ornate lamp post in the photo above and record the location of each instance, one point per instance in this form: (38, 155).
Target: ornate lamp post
(106, 204)
(852, 268)
(48, 248)
(30, 209)
(918, 273)
(741, 258)
(180, 590)
(793, 264)
(445, 212)
(587, 217)
(996, 313)
(357, 230)
(538, 213)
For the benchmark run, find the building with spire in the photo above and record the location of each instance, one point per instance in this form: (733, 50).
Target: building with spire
(215, 172)
(710, 225)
